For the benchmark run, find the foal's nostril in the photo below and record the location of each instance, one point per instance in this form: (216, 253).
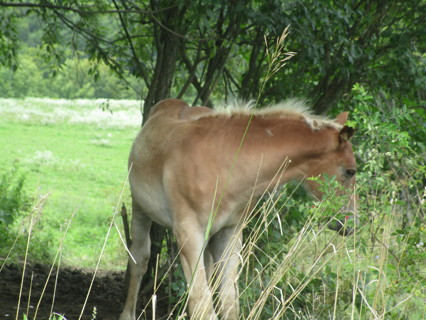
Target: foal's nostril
(350, 172)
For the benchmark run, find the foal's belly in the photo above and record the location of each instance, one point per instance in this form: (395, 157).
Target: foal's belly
(153, 202)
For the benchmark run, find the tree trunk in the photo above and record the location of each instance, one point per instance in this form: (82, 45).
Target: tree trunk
(251, 79)
(161, 83)
(167, 43)
(325, 95)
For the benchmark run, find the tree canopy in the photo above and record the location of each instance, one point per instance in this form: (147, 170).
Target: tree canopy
(215, 49)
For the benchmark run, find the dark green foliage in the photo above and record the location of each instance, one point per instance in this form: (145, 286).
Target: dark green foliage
(8, 39)
(218, 49)
(392, 164)
(342, 42)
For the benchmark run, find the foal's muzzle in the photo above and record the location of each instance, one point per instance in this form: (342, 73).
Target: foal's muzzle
(341, 226)
(350, 218)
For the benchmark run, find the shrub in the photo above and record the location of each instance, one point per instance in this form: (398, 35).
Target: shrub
(16, 211)
(13, 199)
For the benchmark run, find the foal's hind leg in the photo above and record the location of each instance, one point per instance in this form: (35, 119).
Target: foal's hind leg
(140, 250)
(225, 247)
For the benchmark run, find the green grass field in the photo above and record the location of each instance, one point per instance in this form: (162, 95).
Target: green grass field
(76, 155)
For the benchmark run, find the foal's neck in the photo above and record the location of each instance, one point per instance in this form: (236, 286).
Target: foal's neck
(284, 148)
(293, 138)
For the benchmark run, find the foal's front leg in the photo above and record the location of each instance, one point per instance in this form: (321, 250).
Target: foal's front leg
(225, 247)
(190, 239)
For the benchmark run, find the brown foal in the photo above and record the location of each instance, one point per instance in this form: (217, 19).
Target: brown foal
(194, 170)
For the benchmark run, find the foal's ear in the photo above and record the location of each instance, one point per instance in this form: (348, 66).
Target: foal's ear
(346, 133)
(341, 118)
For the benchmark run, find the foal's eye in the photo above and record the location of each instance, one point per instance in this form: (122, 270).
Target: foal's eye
(350, 172)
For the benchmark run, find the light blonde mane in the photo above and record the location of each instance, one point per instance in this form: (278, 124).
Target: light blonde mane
(289, 109)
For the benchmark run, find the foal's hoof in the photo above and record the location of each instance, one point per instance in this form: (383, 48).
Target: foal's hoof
(126, 316)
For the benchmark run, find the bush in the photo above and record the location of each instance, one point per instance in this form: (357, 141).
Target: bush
(13, 199)
(15, 214)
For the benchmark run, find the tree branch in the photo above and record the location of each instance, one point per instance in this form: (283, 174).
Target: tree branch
(82, 11)
(93, 39)
(141, 67)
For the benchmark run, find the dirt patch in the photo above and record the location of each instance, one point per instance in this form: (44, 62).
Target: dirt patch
(106, 295)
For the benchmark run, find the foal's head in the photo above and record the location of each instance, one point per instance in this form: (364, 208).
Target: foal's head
(339, 162)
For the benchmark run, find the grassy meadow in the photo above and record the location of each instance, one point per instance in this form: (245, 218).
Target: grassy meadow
(74, 155)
